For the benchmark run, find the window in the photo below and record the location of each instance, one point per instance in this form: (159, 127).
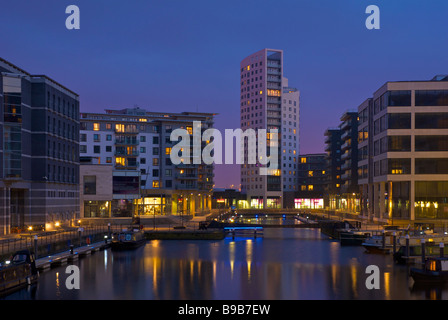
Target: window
(155, 161)
(82, 148)
(399, 166)
(431, 121)
(168, 151)
(401, 98)
(108, 137)
(431, 166)
(155, 184)
(96, 149)
(96, 126)
(108, 159)
(431, 143)
(431, 97)
(83, 137)
(155, 172)
(96, 138)
(120, 161)
(399, 121)
(108, 148)
(399, 143)
(89, 184)
(155, 140)
(155, 151)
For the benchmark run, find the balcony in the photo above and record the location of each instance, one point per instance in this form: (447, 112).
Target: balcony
(273, 64)
(346, 145)
(131, 142)
(127, 154)
(346, 156)
(274, 100)
(274, 79)
(272, 71)
(271, 85)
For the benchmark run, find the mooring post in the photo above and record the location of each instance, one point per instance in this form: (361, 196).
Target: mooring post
(423, 251)
(394, 242)
(407, 246)
(441, 246)
(35, 247)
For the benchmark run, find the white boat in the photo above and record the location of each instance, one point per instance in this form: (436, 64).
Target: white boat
(374, 244)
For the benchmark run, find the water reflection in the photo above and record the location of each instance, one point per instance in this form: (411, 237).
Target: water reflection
(285, 264)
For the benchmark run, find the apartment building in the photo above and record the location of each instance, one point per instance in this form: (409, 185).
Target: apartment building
(137, 144)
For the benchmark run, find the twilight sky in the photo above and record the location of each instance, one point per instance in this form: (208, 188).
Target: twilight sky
(179, 55)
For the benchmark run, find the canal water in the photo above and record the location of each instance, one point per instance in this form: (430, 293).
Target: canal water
(284, 264)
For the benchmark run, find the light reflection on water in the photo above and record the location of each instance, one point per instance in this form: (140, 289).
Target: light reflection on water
(285, 264)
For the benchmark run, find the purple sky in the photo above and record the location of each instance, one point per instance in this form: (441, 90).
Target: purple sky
(184, 55)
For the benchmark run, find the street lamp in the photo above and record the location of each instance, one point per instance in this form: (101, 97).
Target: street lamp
(154, 208)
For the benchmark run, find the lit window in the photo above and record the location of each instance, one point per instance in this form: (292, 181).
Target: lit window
(167, 150)
(119, 127)
(310, 187)
(96, 127)
(323, 171)
(310, 173)
(120, 161)
(302, 160)
(190, 130)
(303, 188)
(155, 184)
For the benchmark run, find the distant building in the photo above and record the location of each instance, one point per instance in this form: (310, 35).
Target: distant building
(349, 162)
(311, 183)
(333, 179)
(227, 198)
(267, 102)
(39, 137)
(136, 143)
(342, 164)
(404, 151)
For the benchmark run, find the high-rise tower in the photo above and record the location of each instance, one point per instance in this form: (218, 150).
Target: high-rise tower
(267, 102)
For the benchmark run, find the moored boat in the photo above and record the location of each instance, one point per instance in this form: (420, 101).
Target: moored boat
(353, 237)
(18, 272)
(128, 240)
(435, 271)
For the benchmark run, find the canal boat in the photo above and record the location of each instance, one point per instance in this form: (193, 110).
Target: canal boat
(435, 271)
(415, 252)
(383, 241)
(128, 240)
(353, 237)
(17, 273)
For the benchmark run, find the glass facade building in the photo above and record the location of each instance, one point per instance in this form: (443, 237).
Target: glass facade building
(39, 156)
(405, 173)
